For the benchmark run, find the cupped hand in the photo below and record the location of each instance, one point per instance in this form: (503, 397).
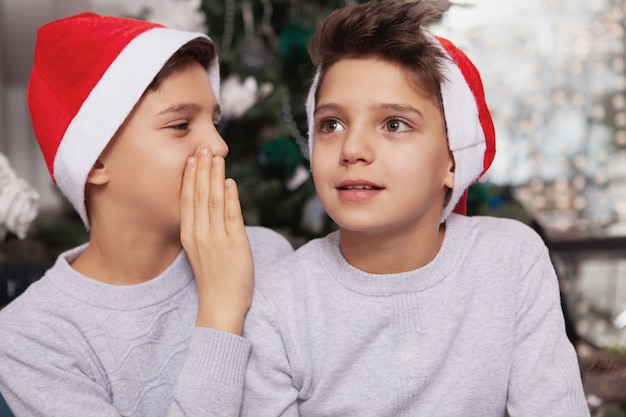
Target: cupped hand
(216, 242)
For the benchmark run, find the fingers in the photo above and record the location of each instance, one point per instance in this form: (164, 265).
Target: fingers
(202, 192)
(208, 201)
(215, 240)
(216, 196)
(187, 199)
(233, 217)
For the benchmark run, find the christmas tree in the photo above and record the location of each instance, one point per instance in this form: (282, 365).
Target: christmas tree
(267, 72)
(266, 43)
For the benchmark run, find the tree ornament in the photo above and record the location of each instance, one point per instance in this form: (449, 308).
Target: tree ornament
(300, 139)
(279, 158)
(477, 199)
(19, 202)
(292, 44)
(254, 55)
(177, 14)
(239, 96)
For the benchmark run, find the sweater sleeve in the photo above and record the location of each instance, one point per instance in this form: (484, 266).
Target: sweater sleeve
(545, 377)
(269, 388)
(211, 382)
(45, 372)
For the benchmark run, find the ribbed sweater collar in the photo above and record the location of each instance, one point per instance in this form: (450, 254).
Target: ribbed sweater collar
(119, 297)
(447, 260)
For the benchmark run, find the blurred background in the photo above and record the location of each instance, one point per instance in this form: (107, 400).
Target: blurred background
(555, 78)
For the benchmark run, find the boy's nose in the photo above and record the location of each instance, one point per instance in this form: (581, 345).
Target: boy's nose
(212, 139)
(356, 147)
(220, 147)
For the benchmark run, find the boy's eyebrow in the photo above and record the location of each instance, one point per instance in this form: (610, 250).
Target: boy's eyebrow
(327, 107)
(192, 107)
(181, 107)
(401, 108)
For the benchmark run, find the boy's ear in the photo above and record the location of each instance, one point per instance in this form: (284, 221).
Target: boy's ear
(449, 179)
(98, 175)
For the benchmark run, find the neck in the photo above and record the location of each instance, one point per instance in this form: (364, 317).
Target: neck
(389, 253)
(126, 256)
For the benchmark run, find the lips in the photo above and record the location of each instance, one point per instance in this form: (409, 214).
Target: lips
(358, 185)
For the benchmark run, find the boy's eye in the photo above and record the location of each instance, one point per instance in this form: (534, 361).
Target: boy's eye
(331, 125)
(179, 126)
(397, 125)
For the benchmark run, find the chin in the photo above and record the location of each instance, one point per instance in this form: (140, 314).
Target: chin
(351, 227)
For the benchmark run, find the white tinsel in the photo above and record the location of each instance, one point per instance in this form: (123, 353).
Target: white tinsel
(238, 97)
(177, 14)
(18, 202)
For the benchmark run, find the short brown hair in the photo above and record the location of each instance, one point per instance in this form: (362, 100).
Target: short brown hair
(390, 30)
(200, 50)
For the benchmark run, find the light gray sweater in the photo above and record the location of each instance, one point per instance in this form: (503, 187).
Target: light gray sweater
(73, 346)
(479, 331)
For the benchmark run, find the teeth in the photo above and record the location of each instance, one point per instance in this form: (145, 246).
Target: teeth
(358, 187)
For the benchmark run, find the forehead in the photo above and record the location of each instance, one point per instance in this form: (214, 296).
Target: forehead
(371, 77)
(182, 80)
(186, 90)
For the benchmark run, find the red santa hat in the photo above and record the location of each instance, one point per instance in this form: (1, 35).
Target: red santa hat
(89, 72)
(471, 134)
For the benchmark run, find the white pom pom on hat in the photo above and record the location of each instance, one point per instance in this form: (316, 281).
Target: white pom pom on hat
(89, 72)
(471, 134)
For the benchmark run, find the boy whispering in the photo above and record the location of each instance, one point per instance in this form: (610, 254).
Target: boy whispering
(125, 112)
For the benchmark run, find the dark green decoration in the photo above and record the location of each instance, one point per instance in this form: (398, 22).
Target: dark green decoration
(477, 199)
(279, 158)
(488, 199)
(293, 43)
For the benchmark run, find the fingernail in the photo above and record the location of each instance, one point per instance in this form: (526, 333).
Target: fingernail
(204, 152)
(216, 160)
(191, 161)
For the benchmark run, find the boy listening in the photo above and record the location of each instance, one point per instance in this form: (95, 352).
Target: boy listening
(409, 309)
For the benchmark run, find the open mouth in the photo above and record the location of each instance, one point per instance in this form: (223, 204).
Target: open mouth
(359, 187)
